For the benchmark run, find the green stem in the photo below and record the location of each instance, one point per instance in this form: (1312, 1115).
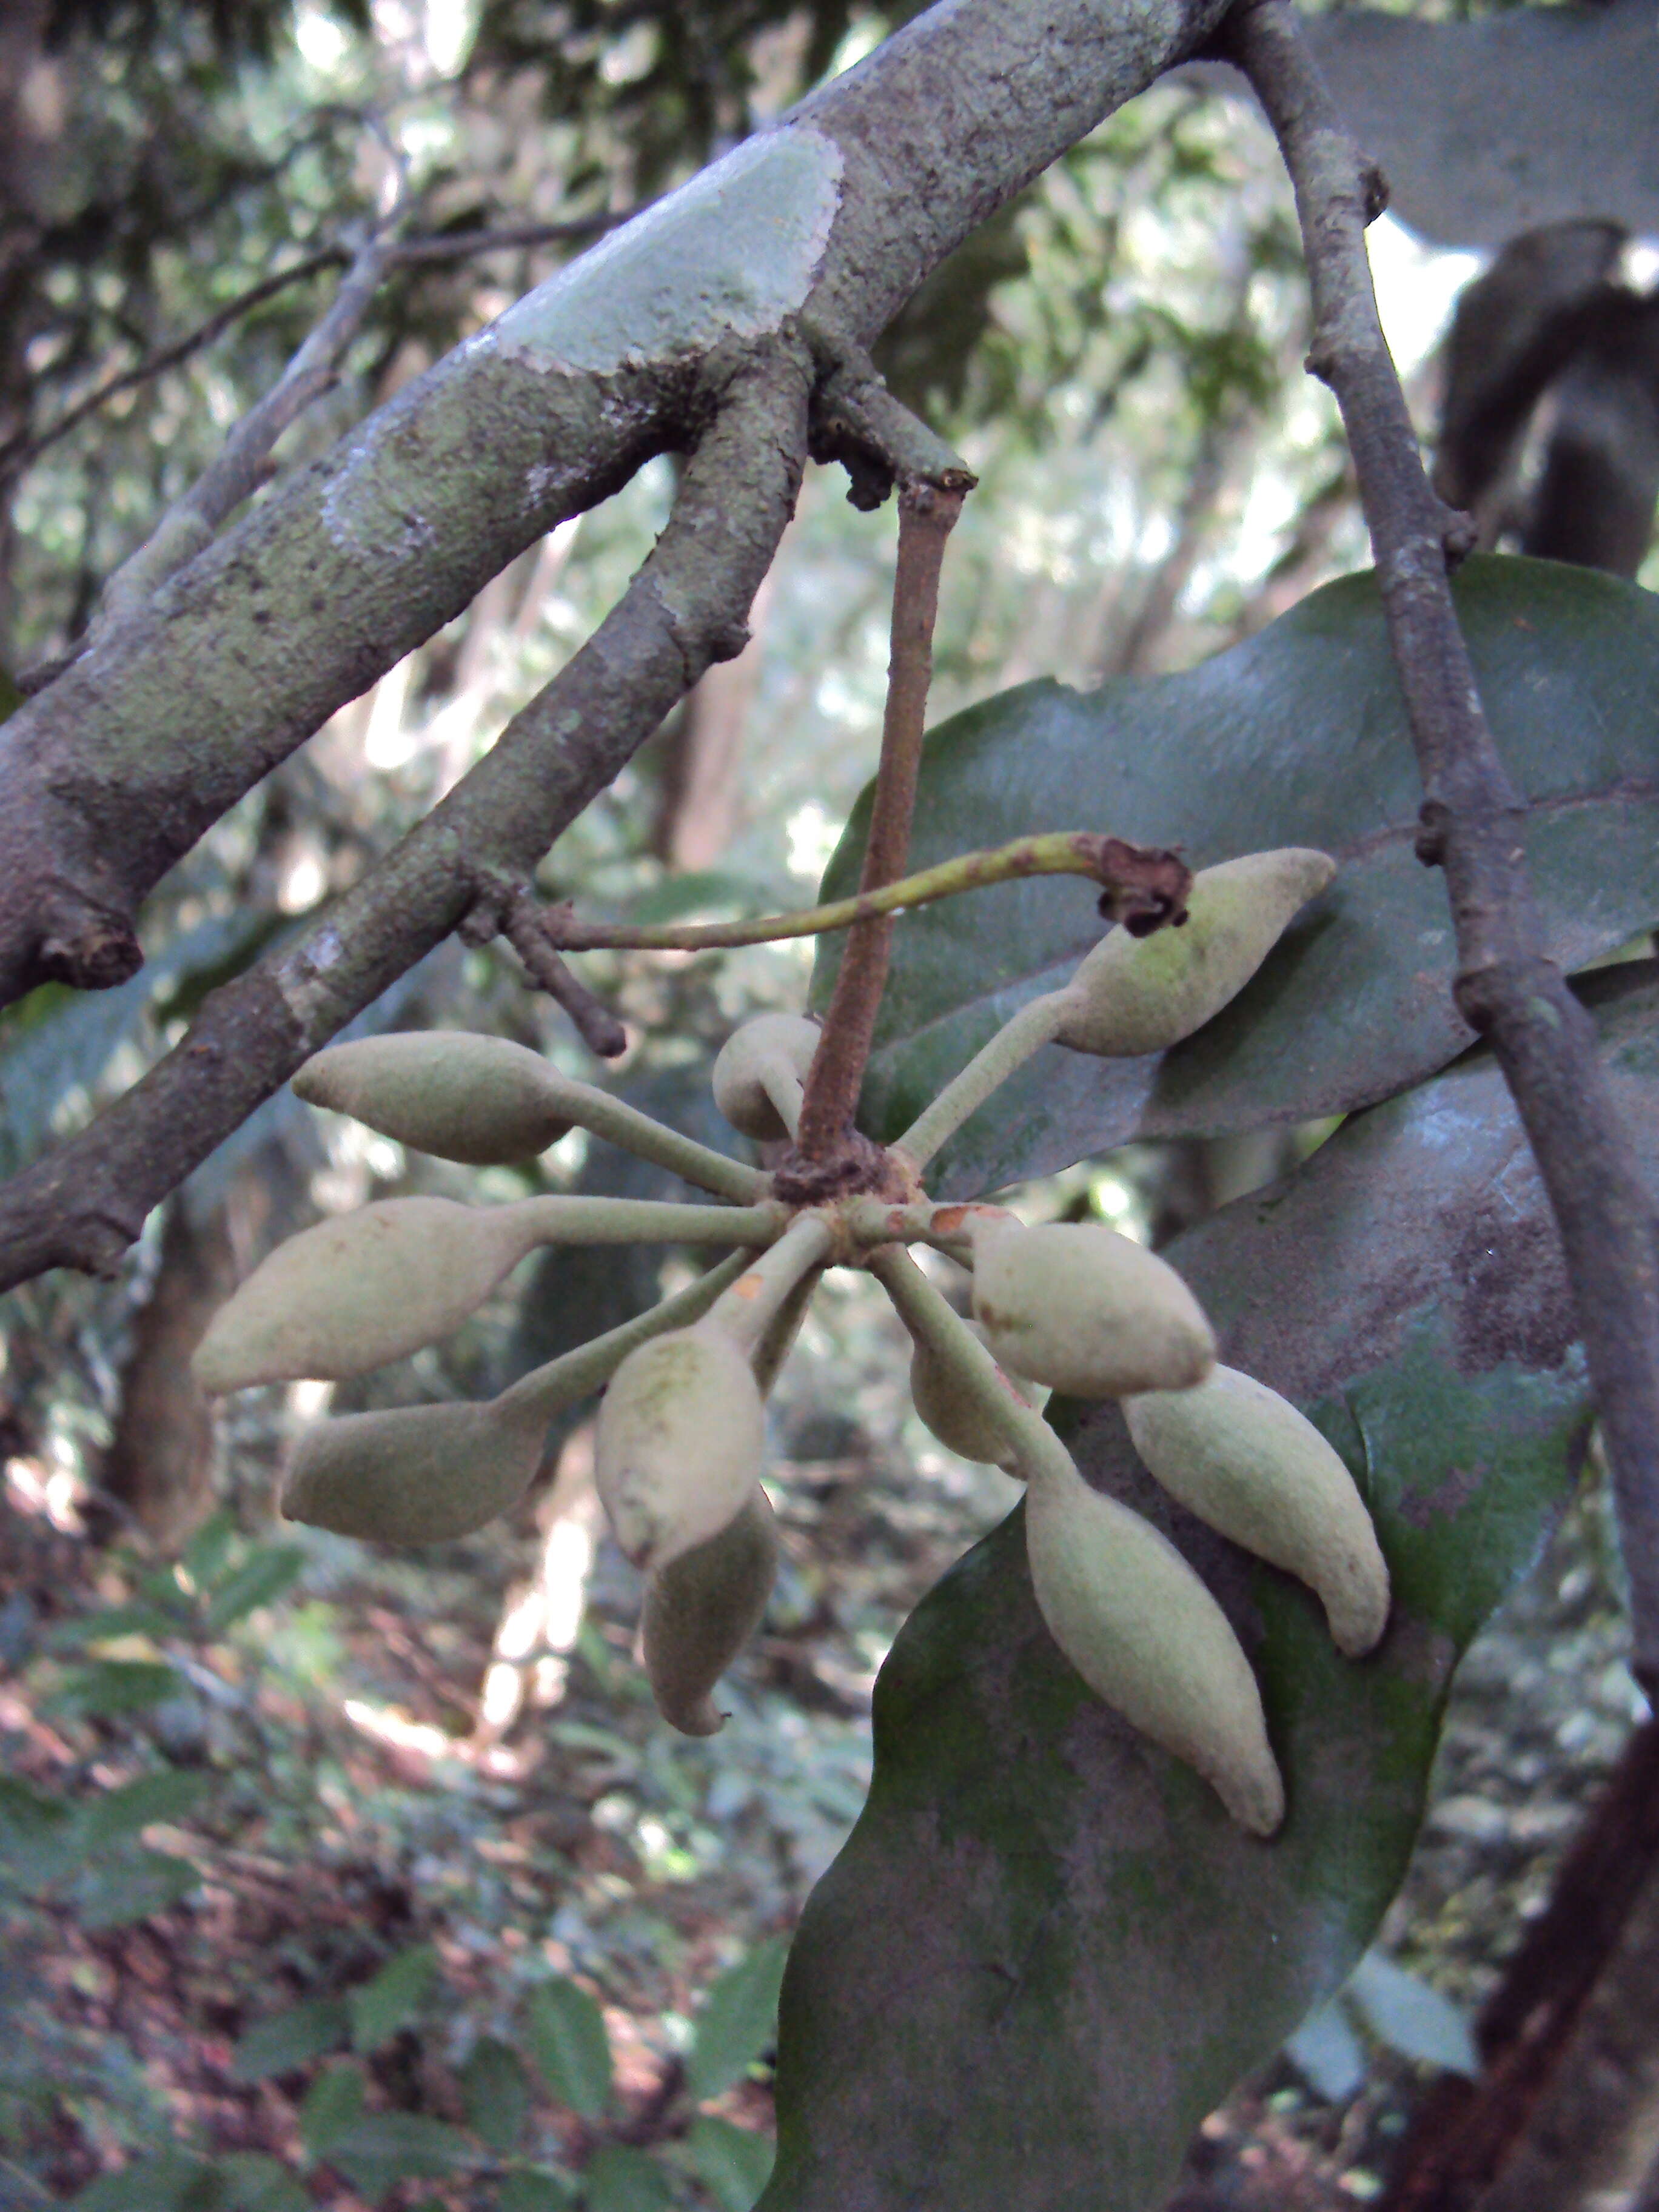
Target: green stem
(565, 1380)
(1038, 1453)
(636, 1132)
(1053, 853)
(1030, 1029)
(578, 1220)
(775, 1347)
(748, 1309)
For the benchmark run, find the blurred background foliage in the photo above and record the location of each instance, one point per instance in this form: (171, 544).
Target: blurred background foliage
(335, 1876)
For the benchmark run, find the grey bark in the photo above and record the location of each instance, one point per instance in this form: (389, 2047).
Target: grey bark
(709, 322)
(826, 223)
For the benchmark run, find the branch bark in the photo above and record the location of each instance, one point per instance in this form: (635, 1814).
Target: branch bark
(1508, 987)
(82, 1205)
(831, 219)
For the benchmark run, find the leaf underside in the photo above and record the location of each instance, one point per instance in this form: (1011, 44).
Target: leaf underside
(1045, 1952)
(1297, 737)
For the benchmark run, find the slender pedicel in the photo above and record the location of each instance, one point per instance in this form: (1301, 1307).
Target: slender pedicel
(482, 1099)
(747, 1310)
(1036, 1024)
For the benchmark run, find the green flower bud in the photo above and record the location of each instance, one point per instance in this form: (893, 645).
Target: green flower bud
(679, 1443)
(1093, 1314)
(701, 1610)
(1136, 994)
(760, 1071)
(1244, 1459)
(361, 1289)
(417, 1474)
(1147, 1636)
(478, 1099)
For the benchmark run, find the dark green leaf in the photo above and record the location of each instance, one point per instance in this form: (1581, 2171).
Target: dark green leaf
(380, 2150)
(333, 2103)
(138, 1619)
(125, 1889)
(106, 1687)
(497, 2095)
(564, 2034)
(618, 2180)
(1297, 737)
(165, 2181)
(1046, 1929)
(37, 1834)
(209, 1548)
(1402, 2011)
(257, 1582)
(738, 2020)
(256, 2184)
(168, 1795)
(536, 2189)
(733, 2163)
(391, 2000)
(291, 2039)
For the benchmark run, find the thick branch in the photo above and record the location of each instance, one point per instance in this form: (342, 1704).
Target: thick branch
(836, 215)
(1508, 987)
(82, 1205)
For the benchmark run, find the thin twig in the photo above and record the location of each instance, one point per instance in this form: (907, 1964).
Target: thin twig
(244, 464)
(21, 452)
(926, 517)
(1142, 887)
(513, 911)
(18, 453)
(1508, 987)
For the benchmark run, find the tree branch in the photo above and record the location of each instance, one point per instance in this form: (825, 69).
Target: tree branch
(926, 517)
(832, 216)
(82, 1205)
(1508, 987)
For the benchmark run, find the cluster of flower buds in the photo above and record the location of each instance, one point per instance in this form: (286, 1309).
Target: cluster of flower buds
(679, 1448)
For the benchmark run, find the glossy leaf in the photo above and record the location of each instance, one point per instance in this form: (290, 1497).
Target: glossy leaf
(1326, 2053)
(738, 2020)
(1046, 1929)
(565, 2035)
(1295, 737)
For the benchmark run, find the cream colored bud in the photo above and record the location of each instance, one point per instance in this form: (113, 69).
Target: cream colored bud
(1147, 1636)
(679, 1443)
(361, 1289)
(955, 1417)
(418, 1474)
(1093, 1314)
(760, 1073)
(701, 1610)
(1136, 994)
(1244, 1459)
(483, 1100)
